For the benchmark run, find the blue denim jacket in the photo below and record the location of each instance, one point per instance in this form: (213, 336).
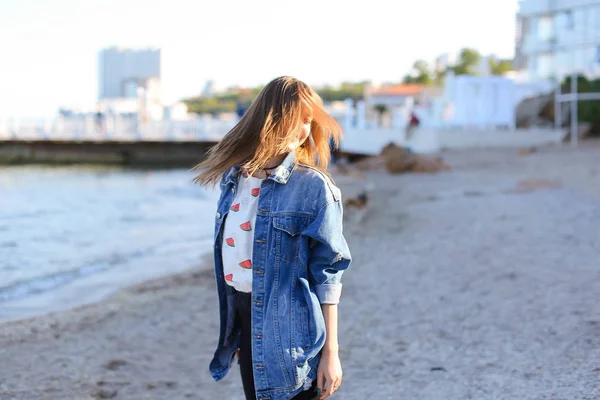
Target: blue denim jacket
(299, 256)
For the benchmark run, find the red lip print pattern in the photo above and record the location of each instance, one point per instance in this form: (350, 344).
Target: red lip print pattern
(245, 173)
(229, 277)
(235, 207)
(246, 226)
(255, 192)
(230, 242)
(246, 264)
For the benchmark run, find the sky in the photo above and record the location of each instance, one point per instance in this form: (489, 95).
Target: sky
(49, 49)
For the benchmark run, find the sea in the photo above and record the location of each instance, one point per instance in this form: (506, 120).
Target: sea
(73, 235)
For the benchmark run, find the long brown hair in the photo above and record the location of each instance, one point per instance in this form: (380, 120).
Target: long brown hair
(271, 124)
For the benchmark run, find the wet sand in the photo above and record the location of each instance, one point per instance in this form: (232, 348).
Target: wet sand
(482, 282)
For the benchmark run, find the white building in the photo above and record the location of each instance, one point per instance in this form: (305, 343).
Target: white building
(558, 37)
(122, 71)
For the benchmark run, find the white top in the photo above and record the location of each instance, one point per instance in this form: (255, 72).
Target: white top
(238, 234)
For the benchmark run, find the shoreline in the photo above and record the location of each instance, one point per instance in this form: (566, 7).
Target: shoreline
(103, 285)
(70, 318)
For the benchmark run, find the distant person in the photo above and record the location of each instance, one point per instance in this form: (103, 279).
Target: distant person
(240, 110)
(413, 125)
(100, 119)
(334, 151)
(279, 248)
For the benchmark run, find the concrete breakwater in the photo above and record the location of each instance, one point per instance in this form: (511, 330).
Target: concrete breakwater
(133, 153)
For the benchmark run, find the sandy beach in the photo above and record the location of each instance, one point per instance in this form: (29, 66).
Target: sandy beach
(482, 282)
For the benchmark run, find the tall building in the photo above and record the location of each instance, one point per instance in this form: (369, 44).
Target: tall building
(555, 38)
(445, 61)
(122, 71)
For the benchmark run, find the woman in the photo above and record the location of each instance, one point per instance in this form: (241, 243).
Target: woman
(279, 248)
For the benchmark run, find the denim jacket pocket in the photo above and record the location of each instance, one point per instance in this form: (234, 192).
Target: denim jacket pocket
(287, 235)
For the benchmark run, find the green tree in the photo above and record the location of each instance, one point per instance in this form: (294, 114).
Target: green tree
(587, 110)
(423, 72)
(467, 62)
(420, 74)
(500, 67)
(347, 90)
(211, 105)
(381, 110)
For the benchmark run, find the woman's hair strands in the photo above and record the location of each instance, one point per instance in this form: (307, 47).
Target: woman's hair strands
(269, 128)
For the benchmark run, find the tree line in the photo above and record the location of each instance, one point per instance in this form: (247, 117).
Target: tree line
(467, 63)
(588, 110)
(230, 100)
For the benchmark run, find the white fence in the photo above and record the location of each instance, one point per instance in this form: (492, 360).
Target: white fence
(115, 128)
(360, 135)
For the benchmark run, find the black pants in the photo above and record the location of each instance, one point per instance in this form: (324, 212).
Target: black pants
(243, 314)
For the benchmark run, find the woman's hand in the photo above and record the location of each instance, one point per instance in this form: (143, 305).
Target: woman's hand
(329, 373)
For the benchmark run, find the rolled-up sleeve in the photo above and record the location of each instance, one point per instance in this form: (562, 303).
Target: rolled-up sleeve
(329, 255)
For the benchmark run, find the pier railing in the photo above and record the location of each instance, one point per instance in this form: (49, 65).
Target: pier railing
(114, 129)
(364, 131)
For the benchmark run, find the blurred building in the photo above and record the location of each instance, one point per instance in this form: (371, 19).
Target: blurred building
(212, 88)
(129, 82)
(445, 61)
(555, 38)
(122, 71)
(394, 96)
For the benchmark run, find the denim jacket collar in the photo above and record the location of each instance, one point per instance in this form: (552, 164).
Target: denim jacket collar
(280, 175)
(284, 170)
(232, 175)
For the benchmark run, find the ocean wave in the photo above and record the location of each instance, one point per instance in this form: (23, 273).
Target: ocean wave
(44, 283)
